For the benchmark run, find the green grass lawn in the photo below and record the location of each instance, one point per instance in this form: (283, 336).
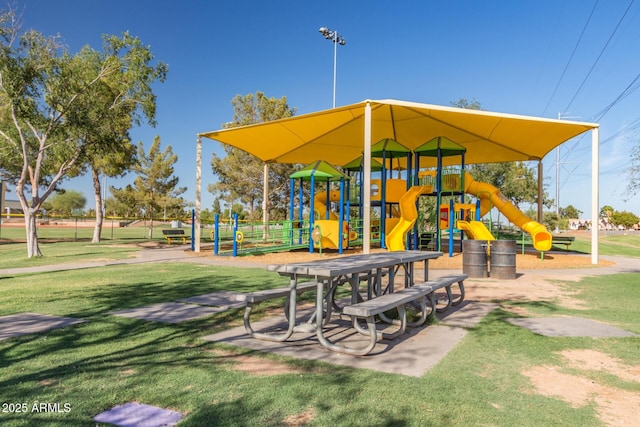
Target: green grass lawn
(111, 360)
(14, 255)
(621, 245)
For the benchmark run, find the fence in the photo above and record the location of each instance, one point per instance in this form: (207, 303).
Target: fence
(81, 227)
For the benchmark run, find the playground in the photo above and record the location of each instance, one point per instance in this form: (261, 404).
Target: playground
(326, 207)
(368, 189)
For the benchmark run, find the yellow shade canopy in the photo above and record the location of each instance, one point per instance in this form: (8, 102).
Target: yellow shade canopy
(342, 134)
(337, 135)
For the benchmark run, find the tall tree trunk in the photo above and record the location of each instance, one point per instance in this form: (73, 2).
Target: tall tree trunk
(33, 249)
(151, 223)
(31, 228)
(97, 190)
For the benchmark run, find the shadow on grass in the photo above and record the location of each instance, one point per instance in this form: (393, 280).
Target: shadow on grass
(537, 307)
(125, 336)
(242, 412)
(118, 359)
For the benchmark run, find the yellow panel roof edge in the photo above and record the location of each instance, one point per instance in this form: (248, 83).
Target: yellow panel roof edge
(481, 112)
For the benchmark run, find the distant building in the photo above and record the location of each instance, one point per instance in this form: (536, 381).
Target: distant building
(579, 224)
(11, 207)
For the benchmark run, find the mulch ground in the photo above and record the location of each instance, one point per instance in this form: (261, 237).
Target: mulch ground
(526, 261)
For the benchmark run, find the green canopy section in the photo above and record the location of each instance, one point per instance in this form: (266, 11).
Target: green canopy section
(321, 172)
(446, 147)
(355, 165)
(392, 149)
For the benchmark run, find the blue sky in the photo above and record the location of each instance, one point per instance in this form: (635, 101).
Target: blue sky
(520, 57)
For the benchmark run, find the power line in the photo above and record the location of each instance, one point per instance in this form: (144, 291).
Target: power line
(599, 56)
(575, 48)
(626, 92)
(633, 125)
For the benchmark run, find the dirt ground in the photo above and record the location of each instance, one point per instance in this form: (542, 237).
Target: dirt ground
(527, 261)
(571, 381)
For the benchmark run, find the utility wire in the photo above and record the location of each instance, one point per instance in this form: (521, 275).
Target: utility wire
(599, 56)
(633, 125)
(626, 92)
(575, 48)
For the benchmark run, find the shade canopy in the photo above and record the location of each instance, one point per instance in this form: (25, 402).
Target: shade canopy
(321, 171)
(341, 134)
(337, 135)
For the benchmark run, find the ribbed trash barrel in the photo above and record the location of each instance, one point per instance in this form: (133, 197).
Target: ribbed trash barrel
(474, 258)
(502, 259)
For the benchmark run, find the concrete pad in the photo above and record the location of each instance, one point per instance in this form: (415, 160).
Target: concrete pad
(138, 415)
(569, 327)
(227, 299)
(29, 323)
(467, 315)
(411, 354)
(169, 312)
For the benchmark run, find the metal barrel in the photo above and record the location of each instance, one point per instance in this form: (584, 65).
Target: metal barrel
(502, 259)
(474, 258)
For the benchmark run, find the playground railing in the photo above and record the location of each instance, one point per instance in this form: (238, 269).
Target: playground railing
(257, 237)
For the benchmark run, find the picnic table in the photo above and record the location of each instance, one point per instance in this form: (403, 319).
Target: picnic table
(325, 275)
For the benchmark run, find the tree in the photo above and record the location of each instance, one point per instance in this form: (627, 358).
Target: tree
(111, 165)
(206, 216)
(551, 220)
(124, 202)
(240, 175)
(465, 103)
(624, 218)
(57, 108)
(516, 181)
(66, 202)
(570, 212)
(111, 121)
(606, 211)
(216, 206)
(155, 186)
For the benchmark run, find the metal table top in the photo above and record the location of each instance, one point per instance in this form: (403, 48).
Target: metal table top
(351, 264)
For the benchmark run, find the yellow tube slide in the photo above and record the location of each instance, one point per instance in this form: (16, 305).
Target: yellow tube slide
(488, 195)
(408, 216)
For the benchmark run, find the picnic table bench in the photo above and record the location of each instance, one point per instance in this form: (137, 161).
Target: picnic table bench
(355, 270)
(175, 233)
(422, 292)
(562, 240)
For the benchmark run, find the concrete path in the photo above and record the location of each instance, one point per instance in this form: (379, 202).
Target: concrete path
(19, 324)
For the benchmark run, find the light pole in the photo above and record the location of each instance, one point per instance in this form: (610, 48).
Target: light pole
(337, 39)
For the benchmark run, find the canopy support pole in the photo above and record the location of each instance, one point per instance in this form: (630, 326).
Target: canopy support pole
(196, 234)
(540, 191)
(366, 185)
(265, 202)
(595, 189)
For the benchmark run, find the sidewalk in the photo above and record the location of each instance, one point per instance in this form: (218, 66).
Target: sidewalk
(146, 256)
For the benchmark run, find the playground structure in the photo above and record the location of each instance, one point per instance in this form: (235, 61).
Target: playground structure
(329, 220)
(489, 197)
